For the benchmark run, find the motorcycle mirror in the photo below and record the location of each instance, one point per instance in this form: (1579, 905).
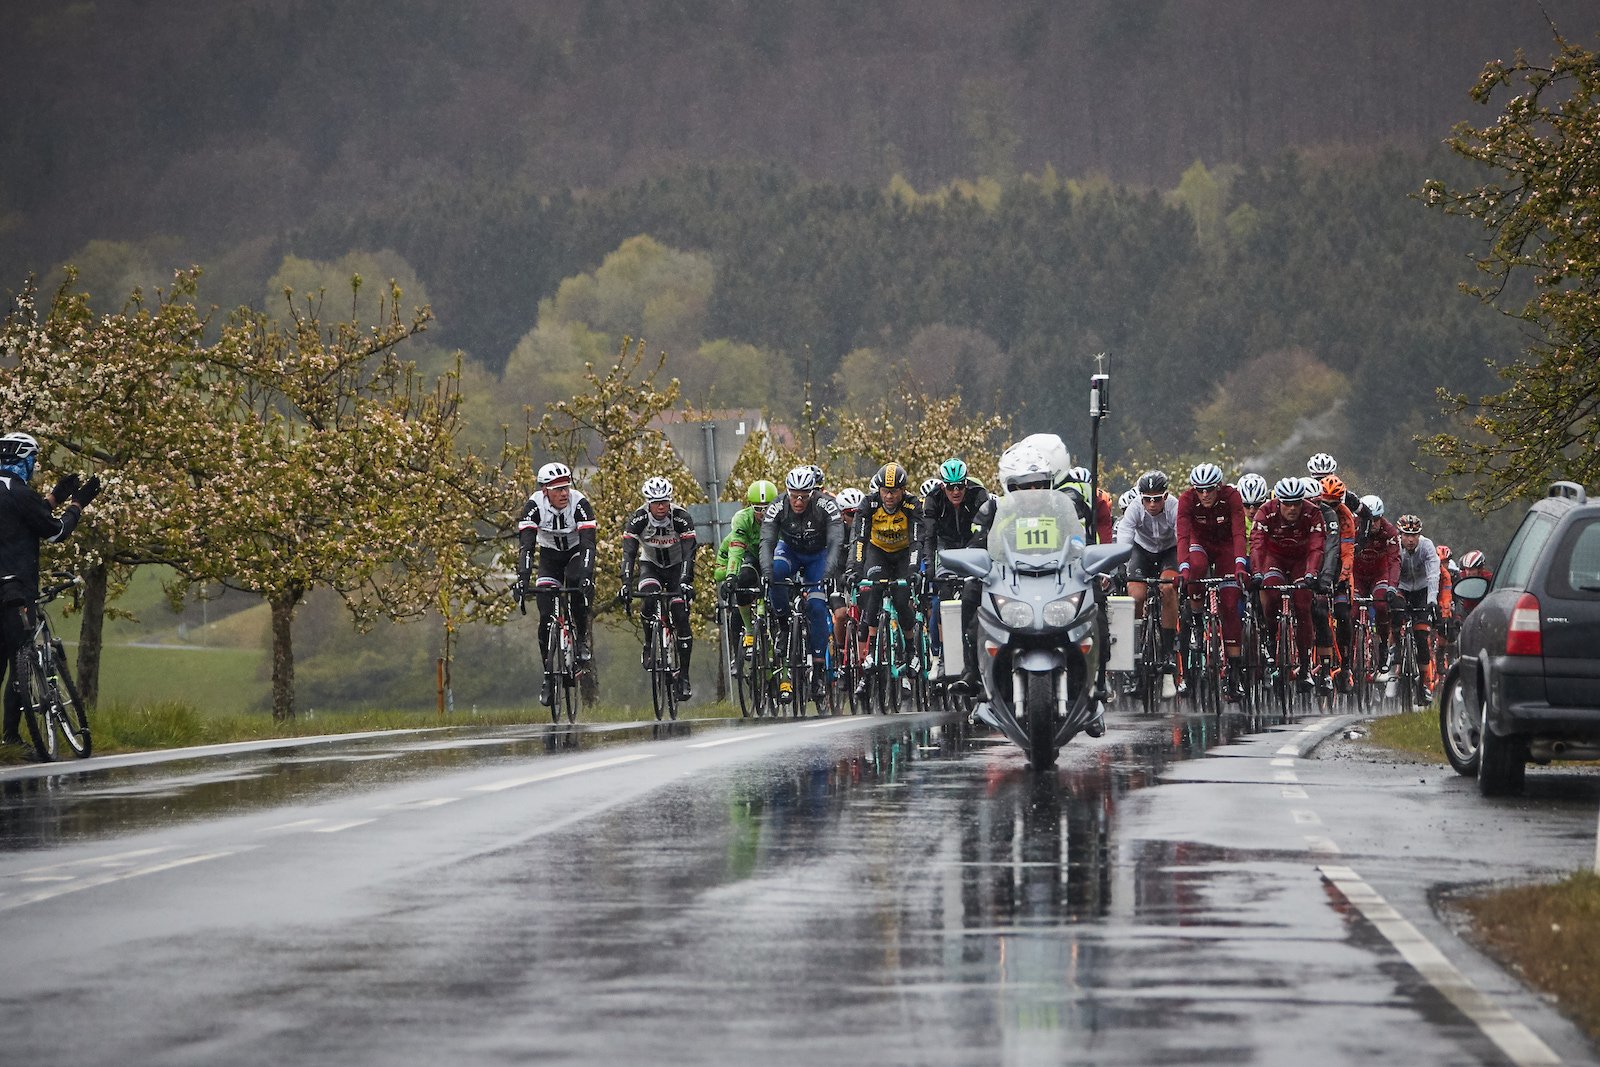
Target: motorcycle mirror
(971, 562)
(1098, 559)
(1472, 588)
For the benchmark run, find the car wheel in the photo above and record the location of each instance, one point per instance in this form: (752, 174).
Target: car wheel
(1458, 725)
(1502, 761)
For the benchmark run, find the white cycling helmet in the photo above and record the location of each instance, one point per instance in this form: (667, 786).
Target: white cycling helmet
(1374, 504)
(656, 489)
(1322, 465)
(1127, 500)
(1206, 476)
(1253, 488)
(1290, 489)
(1313, 488)
(850, 499)
(930, 485)
(802, 479)
(1024, 467)
(554, 476)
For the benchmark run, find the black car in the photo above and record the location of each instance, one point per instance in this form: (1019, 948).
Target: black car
(1527, 684)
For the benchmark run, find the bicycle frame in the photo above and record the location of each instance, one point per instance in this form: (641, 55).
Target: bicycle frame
(51, 707)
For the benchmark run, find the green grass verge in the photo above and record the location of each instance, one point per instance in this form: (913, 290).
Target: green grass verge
(1416, 732)
(228, 681)
(1549, 934)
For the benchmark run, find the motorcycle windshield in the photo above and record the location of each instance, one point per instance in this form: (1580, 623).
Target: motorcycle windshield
(1035, 530)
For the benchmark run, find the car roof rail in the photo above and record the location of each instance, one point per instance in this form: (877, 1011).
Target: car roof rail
(1568, 491)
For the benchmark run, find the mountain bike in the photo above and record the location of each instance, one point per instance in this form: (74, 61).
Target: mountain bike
(51, 707)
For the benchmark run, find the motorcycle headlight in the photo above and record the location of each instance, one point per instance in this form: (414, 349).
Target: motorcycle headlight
(1015, 614)
(1061, 612)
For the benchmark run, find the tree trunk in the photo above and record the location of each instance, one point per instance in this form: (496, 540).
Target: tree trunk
(91, 637)
(283, 605)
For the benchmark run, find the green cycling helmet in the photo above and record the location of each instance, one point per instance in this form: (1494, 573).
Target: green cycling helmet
(762, 492)
(953, 471)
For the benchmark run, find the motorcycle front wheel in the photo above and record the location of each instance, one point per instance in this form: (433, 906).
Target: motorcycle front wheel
(1039, 707)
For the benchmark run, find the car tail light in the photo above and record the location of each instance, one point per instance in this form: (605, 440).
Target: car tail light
(1524, 638)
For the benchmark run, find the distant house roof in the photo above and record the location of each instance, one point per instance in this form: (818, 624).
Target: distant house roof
(685, 431)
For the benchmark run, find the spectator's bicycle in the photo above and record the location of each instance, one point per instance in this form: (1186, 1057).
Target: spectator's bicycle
(51, 707)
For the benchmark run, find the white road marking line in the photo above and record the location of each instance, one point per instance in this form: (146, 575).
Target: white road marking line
(742, 735)
(417, 805)
(1294, 792)
(338, 826)
(1322, 845)
(819, 724)
(106, 879)
(298, 824)
(46, 877)
(1289, 750)
(1281, 762)
(1285, 776)
(512, 783)
(1520, 1044)
(1306, 818)
(115, 859)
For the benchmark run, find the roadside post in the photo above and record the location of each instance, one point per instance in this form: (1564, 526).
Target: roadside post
(1099, 408)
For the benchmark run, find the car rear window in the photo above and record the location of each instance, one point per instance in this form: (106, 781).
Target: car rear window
(1524, 551)
(1575, 572)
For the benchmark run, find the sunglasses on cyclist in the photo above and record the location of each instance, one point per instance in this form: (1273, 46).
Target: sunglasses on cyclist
(1154, 499)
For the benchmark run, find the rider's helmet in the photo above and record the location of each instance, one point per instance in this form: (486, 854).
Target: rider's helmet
(1080, 475)
(890, 476)
(762, 492)
(1253, 488)
(1206, 476)
(1409, 524)
(656, 489)
(1374, 504)
(554, 476)
(1313, 488)
(1024, 467)
(19, 452)
(1153, 483)
(1322, 465)
(1290, 489)
(801, 479)
(953, 471)
(1332, 487)
(816, 472)
(1472, 559)
(850, 499)
(1444, 553)
(1128, 499)
(930, 485)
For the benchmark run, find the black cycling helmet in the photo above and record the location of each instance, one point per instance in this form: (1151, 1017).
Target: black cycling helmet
(1152, 483)
(890, 476)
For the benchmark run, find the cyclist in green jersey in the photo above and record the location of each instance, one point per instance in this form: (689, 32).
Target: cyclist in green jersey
(738, 571)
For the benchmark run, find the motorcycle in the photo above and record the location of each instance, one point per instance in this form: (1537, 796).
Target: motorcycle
(1038, 642)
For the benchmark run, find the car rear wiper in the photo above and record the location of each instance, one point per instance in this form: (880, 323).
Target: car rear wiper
(1589, 588)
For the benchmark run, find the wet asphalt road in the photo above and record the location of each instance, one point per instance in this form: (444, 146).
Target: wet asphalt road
(854, 890)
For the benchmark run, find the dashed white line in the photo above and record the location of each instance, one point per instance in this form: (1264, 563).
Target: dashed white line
(298, 824)
(1289, 750)
(820, 723)
(742, 735)
(512, 783)
(417, 805)
(1519, 1043)
(1322, 845)
(1294, 792)
(1281, 762)
(339, 826)
(95, 881)
(114, 859)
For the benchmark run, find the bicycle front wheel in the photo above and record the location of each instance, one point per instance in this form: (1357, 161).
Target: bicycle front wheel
(35, 686)
(67, 710)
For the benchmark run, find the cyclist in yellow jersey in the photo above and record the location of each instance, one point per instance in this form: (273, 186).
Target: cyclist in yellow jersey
(884, 541)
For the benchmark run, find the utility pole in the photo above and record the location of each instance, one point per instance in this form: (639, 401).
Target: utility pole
(1099, 408)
